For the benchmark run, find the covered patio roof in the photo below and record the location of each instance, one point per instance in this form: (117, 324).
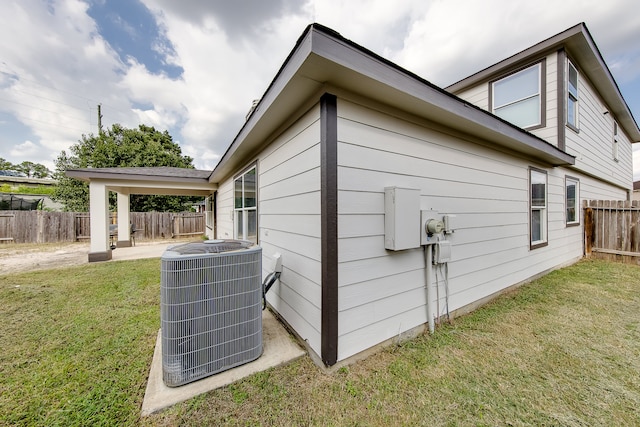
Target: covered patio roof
(132, 180)
(149, 180)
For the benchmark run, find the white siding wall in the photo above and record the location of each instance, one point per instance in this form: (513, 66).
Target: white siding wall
(550, 131)
(382, 293)
(593, 189)
(593, 145)
(224, 213)
(289, 222)
(479, 96)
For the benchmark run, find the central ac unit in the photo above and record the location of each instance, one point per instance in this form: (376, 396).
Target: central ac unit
(210, 308)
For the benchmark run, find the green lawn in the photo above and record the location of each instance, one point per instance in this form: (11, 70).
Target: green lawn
(563, 350)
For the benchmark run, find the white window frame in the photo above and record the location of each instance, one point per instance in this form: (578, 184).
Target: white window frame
(243, 211)
(575, 205)
(537, 177)
(495, 87)
(572, 96)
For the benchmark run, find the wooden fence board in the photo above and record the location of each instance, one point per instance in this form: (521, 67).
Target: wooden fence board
(50, 227)
(7, 222)
(612, 230)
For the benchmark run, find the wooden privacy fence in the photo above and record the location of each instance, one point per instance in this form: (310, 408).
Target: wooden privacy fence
(612, 230)
(50, 227)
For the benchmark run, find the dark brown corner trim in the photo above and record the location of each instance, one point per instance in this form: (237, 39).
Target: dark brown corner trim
(329, 225)
(562, 113)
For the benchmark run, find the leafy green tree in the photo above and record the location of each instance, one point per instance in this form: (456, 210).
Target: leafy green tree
(120, 147)
(32, 170)
(5, 165)
(29, 169)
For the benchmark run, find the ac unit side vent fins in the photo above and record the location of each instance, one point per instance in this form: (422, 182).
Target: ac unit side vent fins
(210, 308)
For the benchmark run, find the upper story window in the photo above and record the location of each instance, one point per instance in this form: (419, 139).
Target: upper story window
(246, 206)
(572, 96)
(517, 98)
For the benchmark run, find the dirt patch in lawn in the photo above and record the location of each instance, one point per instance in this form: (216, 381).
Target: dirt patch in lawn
(31, 257)
(20, 258)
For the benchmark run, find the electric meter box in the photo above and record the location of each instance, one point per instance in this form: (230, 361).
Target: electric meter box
(431, 226)
(401, 218)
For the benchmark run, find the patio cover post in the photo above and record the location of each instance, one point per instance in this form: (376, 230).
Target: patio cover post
(124, 230)
(99, 249)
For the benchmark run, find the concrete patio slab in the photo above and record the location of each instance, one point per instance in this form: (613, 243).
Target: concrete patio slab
(278, 348)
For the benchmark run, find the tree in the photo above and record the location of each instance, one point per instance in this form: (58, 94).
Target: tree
(120, 147)
(5, 165)
(26, 168)
(32, 170)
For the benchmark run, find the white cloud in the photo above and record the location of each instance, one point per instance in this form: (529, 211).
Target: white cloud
(59, 67)
(456, 38)
(25, 150)
(221, 78)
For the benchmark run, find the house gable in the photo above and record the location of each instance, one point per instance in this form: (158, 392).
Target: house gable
(599, 107)
(579, 42)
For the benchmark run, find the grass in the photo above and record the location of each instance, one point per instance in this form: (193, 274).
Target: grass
(77, 343)
(563, 350)
(23, 189)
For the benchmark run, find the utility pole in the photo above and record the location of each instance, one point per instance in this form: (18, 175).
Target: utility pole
(99, 119)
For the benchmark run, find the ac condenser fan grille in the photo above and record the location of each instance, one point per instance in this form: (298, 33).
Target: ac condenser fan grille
(211, 247)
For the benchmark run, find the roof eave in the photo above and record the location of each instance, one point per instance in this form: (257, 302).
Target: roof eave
(578, 41)
(323, 58)
(87, 174)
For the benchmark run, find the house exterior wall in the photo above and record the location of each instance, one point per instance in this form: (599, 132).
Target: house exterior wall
(382, 293)
(550, 131)
(592, 143)
(478, 95)
(224, 214)
(288, 222)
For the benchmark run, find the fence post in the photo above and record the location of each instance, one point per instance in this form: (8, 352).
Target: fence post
(588, 230)
(40, 225)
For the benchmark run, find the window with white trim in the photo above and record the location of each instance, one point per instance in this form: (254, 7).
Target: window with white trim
(538, 203)
(572, 96)
(572, 200)
(517, 98)
(246, 206)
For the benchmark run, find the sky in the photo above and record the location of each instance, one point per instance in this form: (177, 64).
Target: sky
(193, 67)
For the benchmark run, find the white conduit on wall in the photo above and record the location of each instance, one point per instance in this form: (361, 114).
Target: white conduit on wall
(428, 261)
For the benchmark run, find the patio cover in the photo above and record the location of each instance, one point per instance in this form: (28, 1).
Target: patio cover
(126, 181)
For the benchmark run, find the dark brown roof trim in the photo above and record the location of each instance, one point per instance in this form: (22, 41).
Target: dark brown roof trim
(329, 227)
(427, 92)
(562, 95)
